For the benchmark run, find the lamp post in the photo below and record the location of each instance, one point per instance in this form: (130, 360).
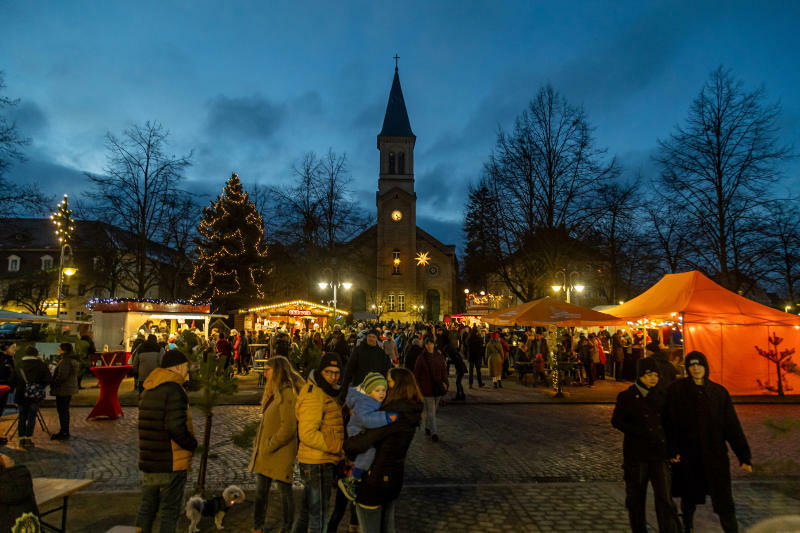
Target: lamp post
(568, 287)
(62, 219)
(335, 285)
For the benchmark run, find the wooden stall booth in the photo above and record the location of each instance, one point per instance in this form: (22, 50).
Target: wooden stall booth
(295, 314)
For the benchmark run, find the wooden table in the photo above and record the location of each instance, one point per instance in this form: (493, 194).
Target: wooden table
(49, 490)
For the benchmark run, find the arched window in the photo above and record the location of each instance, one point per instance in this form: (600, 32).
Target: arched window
(391, 162)
(401, 163)
(395, 262)
(13, 263)
(47, 262)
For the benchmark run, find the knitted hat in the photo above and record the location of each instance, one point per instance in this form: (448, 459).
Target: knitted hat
(173, 358)
(329, 359)
(372, 380)
(647, 364)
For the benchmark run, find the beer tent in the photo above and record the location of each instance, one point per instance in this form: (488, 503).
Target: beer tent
(723, 325)
(550, 312)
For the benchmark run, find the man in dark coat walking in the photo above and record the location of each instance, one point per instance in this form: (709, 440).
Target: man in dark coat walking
(699, 419)
(366, 357)
(475, 351)
(644, 450)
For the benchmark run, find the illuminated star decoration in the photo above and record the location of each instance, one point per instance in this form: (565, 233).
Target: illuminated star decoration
(423, 258)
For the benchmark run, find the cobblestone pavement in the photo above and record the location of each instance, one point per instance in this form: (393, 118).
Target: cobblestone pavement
(517, 467)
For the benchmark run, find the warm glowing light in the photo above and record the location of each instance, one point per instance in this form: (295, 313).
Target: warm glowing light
(556, 288)
(466, 291)
(579, 288)
(347, 285)
(396, 261)
(483, 293)
(423, 258)
(70, 271)
(322, 284)
(621, 302)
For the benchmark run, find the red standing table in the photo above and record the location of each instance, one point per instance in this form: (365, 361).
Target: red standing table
(110, 377)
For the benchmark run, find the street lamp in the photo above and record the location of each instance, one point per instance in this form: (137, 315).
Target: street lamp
(62, 219)
(335, 285)
(567, 287)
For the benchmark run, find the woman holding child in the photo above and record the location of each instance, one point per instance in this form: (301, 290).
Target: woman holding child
(380, 486)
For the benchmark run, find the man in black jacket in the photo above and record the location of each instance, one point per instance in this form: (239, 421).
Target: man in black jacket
(166, 443)
(475, 351)
(699, 419)
(644, 449)
(366, 357)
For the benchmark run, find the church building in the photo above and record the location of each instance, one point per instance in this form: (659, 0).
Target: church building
(414, 274)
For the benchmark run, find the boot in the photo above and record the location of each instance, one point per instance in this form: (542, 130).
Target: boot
(499, 384)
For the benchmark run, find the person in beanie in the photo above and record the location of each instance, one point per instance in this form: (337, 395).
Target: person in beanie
(699, 419)
(364, 402)
(166, 443)
(366, 357)
(32, 378)
(637, 414)
(320, 427)
(430, 369)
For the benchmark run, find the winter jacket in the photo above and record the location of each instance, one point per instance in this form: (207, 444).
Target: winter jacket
(8, 375)
(475, 348)
(65, 376)
(363, 360)
(320, 424)
(639, 418)
(412, 355)
(699, 420)
(275, 445)
(384, 480)
(494, 358)
(429, 367)
(365, 412)
(35, 371)
(147, 359)
(667, 373)
(166, 442)
(390, 347)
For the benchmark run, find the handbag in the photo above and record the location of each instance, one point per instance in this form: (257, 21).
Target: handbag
(439, 387)
(33, 392)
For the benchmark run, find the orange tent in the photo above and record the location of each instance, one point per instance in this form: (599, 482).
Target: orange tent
(726, 327)
(549, 312)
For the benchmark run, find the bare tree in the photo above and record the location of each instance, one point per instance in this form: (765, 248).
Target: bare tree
(32, 290)
(783, 248)
(15, 198)
(183, 217)
(136, 193)
(719, 166)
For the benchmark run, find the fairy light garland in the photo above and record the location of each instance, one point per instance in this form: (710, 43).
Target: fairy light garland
(111, 301)
(62, 220)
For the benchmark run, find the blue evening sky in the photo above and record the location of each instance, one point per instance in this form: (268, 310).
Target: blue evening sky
(251, 86)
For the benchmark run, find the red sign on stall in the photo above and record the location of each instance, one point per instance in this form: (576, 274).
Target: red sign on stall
(299, 312)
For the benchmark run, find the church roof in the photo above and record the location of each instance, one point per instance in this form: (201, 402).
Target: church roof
(395, 122)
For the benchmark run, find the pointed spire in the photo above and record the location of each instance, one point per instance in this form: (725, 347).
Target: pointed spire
(395, 122)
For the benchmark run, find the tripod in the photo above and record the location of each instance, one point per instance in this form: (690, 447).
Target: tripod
(15, 422)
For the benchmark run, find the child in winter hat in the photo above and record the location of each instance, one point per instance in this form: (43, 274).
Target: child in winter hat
(365, 402)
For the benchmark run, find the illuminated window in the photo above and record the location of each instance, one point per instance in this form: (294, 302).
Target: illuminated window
(395, 262)
(391, 302)
(391, 162)
(401, 302)
(401, 163)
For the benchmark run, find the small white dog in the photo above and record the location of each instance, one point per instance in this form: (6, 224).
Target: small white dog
(197, 507)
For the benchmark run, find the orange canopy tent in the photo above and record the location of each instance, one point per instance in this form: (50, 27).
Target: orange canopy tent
(549, 312)
(726, 327)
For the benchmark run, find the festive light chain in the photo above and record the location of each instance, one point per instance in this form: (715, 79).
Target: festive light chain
(293, 302)
(178, 301)
(62, 219)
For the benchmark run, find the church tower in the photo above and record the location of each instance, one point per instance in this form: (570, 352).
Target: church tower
(397, 214)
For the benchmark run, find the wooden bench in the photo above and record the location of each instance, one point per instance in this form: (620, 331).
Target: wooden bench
(49, 490)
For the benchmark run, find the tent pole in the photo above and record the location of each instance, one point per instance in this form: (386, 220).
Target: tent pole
(683, 344)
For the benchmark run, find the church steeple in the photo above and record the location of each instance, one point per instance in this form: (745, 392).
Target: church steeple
(395, 122)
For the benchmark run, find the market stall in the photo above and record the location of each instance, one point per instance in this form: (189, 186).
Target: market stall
(743, 340)
(548, 311)
(294, 314)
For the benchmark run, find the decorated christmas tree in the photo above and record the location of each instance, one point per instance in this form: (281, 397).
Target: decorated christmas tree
(231, 268)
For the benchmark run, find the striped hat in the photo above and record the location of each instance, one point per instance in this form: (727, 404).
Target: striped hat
(372, 380)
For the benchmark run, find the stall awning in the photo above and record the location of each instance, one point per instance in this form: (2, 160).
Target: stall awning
(297, 308)
(701, 301)
(550, 312)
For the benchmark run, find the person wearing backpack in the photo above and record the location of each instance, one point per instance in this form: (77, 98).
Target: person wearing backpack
(32, 378)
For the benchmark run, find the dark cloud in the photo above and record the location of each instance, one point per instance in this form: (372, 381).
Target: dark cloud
(248, 117)
(29, 118)
(447, 232)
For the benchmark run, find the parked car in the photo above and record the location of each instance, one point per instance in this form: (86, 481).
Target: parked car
(19, 330)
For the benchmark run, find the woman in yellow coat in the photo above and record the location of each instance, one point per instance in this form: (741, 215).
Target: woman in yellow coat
(494, 359)
(275, 445)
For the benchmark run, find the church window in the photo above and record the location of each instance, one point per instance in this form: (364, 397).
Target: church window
(401, 163)
(391, 162)
(391, 302)
(401, 302)
(395, 262)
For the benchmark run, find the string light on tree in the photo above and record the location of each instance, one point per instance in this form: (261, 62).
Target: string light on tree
(62, 220)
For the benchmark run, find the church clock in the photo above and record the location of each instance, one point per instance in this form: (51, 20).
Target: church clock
(397, 215)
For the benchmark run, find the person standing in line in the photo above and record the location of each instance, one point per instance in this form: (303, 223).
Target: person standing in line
(312, 354)
(475, 350)
(320, 427)
(390, 347)
(585, 353)
(699, 419)
(64, 385)
(224, 351)
(275, 445)
(637, 414)
(494, 360)
(146, 359)
(430, 371)
(617, 355)
(166, 443)
(32, 378)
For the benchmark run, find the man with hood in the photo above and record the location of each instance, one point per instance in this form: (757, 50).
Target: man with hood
(320, 428)
(644, 449)
(366, 357)
(699, 419)
(166, 443)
